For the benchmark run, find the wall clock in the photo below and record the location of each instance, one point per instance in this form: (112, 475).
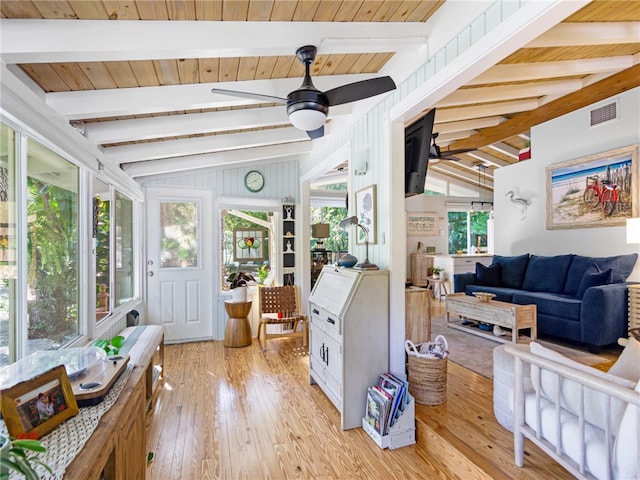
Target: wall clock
(254, 181)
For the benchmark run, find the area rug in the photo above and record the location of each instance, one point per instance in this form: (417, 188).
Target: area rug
(476, 353)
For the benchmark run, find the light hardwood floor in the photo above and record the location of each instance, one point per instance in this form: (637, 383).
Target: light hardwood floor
(238, 413)
(235, 413)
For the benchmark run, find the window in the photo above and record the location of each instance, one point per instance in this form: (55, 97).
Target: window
(52, 248)
(8, 266)
(102, 242)
(179, 234)
(124, 249)
(468, 232)
(246, 242)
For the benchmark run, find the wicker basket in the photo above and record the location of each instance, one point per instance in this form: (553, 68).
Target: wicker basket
(427, 376)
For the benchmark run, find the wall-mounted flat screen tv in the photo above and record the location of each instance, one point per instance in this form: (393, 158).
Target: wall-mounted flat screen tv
(416, 153)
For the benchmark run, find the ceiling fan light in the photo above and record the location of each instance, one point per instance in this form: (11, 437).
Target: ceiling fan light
(307, 119)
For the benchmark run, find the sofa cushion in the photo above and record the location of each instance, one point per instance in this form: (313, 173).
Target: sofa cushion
(512, 269)
(621, 265)
(546, 274)
(488, 276)
(595, 402)
(593, 279)
(554, 304)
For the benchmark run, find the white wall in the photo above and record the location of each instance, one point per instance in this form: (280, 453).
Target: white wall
(427, 204)
(564, 138)
(281, 180)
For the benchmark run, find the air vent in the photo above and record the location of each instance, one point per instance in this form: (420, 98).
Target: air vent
(604, 114)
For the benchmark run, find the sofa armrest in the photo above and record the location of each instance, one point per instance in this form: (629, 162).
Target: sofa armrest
(604, 314)
(461, 280)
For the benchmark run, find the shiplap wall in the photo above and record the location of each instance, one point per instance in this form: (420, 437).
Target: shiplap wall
(281, 179)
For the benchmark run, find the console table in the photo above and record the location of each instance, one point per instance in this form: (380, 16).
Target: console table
(117, 448)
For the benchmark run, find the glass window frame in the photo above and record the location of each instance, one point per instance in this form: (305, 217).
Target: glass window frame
(87, 327)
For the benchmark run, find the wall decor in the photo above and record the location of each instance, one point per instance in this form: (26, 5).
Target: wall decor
(39, 404)
(249, 244)
(366, 212)
(422, 223)
(595, 191)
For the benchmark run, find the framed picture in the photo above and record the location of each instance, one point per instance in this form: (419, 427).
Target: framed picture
(596, 191)
(39, 404)
(422, 223)
(366, 212)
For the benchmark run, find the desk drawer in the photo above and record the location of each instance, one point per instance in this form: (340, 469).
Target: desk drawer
(329, 323)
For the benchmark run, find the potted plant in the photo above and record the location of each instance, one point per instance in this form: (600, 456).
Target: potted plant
(436, 271)
(238, 282)
(15, 457)
(263, 273)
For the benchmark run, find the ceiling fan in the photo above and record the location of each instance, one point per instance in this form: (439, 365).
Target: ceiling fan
(308, 107)
(435, 153)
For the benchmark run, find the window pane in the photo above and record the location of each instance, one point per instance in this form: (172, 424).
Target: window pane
(8, 272)
(124, 249)
(101, 229)
(246, 245)
(179, 234)
(478, 238)
(52, 248)
(458, 232)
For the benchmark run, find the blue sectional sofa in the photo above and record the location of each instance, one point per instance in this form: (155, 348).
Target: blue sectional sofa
(578, 298)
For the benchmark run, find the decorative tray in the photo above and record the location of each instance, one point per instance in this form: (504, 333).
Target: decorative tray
(79, 363)
(484, 296)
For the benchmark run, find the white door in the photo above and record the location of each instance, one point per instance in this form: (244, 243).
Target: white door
(179, 262)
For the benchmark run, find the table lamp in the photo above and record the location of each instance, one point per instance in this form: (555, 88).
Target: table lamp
(366, 265)
(320, 231)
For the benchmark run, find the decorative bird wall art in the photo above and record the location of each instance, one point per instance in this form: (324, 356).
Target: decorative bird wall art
(523, 203)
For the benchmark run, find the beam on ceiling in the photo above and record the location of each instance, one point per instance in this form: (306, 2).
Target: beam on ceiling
(486, 158)
(115, 131)
(49, 41)
(613, 85)
(132, 101)
(468, 96)
(486, 110)
(519, 72)
(212, 143)
(505, 149)
(218, 159)
(463, 125)
(582, 33)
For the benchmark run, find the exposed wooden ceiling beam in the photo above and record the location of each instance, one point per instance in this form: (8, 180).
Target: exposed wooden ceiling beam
(613, 85)
(518, 72)
(582, 33)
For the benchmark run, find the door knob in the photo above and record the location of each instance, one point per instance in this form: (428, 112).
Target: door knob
(150, 274)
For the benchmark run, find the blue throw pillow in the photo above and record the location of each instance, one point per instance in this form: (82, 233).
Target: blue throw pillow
(488, 276)
(512, 269)
(593, 279)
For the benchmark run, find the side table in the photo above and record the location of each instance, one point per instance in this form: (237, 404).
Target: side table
(441, 284)
(238, 331)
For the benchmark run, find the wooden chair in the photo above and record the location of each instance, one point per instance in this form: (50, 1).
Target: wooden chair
(283, 300)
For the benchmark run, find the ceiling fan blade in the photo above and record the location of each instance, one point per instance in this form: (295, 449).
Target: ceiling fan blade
(459, 151)
(449, 157)
(249, 95)
(352, 92)
(317, 133)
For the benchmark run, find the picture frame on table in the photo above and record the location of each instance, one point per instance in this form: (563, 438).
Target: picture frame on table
(599, 190)
(422, 223)
(366, 211)
(39, 404)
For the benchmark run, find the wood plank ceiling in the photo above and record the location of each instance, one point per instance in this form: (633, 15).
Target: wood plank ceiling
(135, 76)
